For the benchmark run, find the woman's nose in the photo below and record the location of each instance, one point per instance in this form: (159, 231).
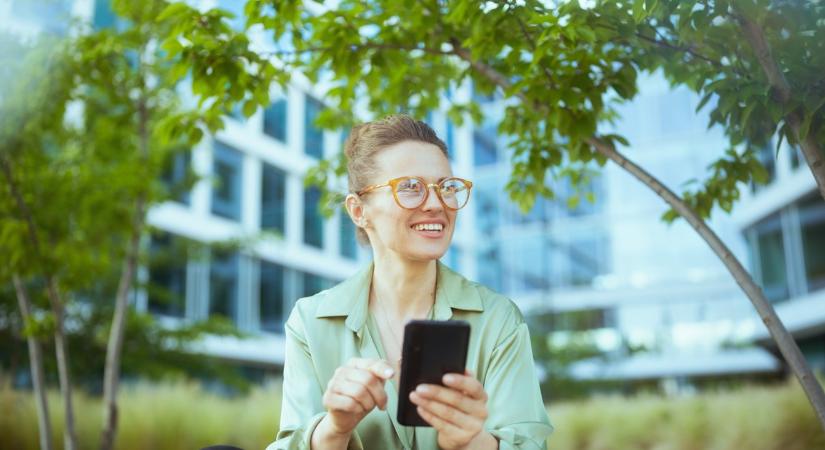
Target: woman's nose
(432, 202)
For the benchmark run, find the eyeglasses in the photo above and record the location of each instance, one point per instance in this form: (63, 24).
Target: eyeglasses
(412, 192)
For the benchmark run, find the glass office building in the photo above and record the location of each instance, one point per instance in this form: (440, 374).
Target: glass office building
(640, 283)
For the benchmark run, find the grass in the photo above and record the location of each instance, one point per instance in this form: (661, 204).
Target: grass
(753, 418)
(159, 416)
(184, 416)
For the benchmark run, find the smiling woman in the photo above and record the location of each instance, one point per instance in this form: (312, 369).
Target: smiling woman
(343, 345)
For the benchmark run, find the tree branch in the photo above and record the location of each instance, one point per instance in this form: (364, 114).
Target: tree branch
(44, 426)
(787, 346)
(366, 45)
(53, 293)
(811, 149)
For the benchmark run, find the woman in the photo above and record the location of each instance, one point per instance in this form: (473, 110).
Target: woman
(343, 345)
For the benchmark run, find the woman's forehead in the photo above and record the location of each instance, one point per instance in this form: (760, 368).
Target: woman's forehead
(413, 158)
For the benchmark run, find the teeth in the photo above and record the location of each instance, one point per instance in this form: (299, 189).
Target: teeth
(428, 227)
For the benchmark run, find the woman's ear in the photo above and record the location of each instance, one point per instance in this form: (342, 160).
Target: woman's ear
(356, 209)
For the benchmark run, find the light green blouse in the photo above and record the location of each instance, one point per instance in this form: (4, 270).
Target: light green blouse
(324, 331)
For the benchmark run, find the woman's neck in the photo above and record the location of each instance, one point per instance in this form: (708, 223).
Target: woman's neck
(405, 288)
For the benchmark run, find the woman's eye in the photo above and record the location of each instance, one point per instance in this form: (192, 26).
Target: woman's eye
(450, 188)
(409, 185)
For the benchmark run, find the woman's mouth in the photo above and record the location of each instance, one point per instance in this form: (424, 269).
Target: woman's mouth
(430, 230)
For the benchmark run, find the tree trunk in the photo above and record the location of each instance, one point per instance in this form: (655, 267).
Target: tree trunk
(111, 375)
(62, 353)
(63, 373)
(787, 346)
(44, 426)
(811, 150)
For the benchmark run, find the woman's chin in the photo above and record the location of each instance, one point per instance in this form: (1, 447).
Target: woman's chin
(426, 254)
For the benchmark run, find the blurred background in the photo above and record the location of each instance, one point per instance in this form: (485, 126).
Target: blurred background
(642, 339)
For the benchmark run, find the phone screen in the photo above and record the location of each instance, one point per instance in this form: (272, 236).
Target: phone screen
(431, 349)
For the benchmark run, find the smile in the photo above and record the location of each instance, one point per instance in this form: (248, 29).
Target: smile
(428, 227)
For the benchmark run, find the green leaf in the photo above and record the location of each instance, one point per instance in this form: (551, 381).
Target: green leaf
(746, 113)
(173, 9)
(249, 107)
(638, 10)
(704, 100)
(805, 126)
(573, 201)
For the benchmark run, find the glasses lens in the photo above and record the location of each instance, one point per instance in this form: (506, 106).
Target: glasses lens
(410, 192)
(454, 193)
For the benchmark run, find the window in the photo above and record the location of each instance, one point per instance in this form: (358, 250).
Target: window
(313, 221)
(313, 136)
(175, 176)
(768, 253)
(167, 276)
(275, 120)
(104, 16)
(489, 268)
(223, 285)
(273, 199)
(525, 261)
(349, 246)
(582, 320)
(484, 148)
(450, 139)
(587, 259)
(486, 201)
(226, 192)
(313, 284)
(272, 307)
(812, 224)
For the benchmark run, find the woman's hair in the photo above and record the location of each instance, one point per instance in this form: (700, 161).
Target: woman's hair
(367, 139)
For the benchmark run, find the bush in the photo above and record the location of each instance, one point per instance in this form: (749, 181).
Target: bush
(185, 416)
(753, 418)
(152, 416)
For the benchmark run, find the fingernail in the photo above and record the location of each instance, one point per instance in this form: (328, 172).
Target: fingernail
(423, 389)
(388, 372)
(449, 378)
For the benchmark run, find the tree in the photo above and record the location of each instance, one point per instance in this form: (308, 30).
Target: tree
(32, 104)
(153, 122)
(760, 60)
(561, 69)
(77, 185)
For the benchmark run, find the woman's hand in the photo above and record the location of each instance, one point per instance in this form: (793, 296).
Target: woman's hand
(354, 390)
(457, 410)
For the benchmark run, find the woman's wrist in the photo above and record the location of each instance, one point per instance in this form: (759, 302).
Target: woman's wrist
(483, 440)
(326, 436)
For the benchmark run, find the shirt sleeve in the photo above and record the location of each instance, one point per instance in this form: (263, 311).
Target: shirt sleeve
(301, 398)
(517, 415)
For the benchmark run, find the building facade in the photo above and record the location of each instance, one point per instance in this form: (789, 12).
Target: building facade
(654, 299)
(784, 225)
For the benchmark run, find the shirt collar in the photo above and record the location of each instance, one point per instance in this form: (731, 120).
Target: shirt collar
(350, 298)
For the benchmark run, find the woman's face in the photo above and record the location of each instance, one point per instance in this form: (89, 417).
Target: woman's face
(395, 229)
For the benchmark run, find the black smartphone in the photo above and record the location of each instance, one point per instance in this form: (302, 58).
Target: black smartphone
(431, 349)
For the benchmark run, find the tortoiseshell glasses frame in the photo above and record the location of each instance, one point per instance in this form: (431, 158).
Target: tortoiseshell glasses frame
(411, 192)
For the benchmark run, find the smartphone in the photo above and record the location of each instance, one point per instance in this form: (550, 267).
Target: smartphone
(431, 349)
